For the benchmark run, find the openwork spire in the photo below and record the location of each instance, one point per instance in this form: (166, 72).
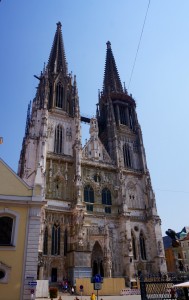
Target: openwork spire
(57, 58)
(112, 81)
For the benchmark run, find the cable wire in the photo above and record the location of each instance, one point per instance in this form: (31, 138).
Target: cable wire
(139, 43)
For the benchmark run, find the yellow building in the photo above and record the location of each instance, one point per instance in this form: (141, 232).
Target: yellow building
(20, 210)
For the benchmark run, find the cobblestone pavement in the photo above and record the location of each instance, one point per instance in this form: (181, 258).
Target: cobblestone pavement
(72, 297)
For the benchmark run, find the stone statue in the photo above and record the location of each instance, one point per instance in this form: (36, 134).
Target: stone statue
(174, 237)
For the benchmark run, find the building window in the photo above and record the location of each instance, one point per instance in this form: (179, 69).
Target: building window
(89, 207)
(127, 156)
(123, 115)
(106, 197)
(88, 194)
(59, 95)
(5, 272)
(2, 274)
(142, 247)
(58, 143)
(8, 227)
(131, 123)
(55, 248)
(107, 209)
(97, 177)
(45, 242)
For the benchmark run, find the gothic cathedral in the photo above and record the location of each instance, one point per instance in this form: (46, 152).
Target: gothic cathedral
(99, 214)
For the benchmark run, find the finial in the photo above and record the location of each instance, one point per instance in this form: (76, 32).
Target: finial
(59, 25)
(108, 45)
(125, 90)
(44, 67)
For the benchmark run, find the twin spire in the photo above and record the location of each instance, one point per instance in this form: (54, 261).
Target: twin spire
(112, 82)
(57, 63)
(57, 58)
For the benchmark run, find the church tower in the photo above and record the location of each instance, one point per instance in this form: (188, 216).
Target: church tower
(100, 215)
(117, 110)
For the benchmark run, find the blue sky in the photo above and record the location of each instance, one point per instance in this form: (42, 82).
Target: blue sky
(160, 82)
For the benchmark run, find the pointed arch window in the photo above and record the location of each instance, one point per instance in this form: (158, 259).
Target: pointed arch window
(142, 246)
(127, 156)
(106, 197)
(59, 95)
(88, 194)
(123, 115)
(45, 242)
(131, 122)
(134, 246)
(65, 242)
(55, 246)
(58, 143)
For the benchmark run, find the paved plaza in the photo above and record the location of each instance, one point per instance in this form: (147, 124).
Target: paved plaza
(72, 297)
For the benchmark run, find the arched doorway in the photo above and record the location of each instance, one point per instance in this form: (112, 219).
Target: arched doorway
(97, 260)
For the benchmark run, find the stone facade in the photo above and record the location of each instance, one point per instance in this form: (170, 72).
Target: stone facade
(101, 214)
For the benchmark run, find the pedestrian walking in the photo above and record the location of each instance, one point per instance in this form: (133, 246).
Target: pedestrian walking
(93, 297)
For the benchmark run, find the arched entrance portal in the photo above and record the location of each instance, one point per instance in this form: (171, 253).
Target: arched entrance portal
(97, 260)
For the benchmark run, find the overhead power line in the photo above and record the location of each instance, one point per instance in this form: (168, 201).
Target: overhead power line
(134, 63)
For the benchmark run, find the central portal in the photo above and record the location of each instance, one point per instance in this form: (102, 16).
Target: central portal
(97, 260)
